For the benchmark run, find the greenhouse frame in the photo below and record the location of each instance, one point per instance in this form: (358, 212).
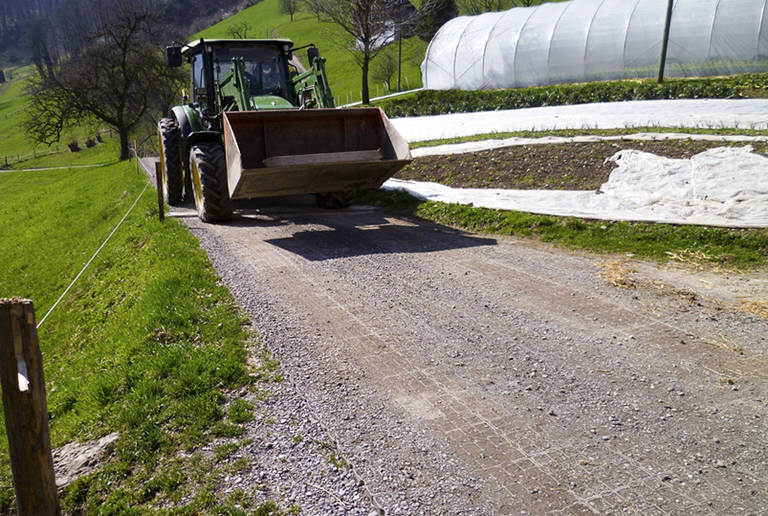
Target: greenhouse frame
(588, 40)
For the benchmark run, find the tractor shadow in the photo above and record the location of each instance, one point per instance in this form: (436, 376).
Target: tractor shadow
(356, 231)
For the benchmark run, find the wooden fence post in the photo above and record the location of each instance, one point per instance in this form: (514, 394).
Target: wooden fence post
(159, 185)
(25, 408)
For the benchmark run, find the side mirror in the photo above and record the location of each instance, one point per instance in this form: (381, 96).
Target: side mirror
(173, 57)
(312, 54)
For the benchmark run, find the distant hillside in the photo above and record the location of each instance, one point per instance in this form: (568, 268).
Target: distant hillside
(264, 20)
(20, 20)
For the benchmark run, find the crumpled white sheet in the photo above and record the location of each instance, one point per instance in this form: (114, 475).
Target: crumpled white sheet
(724, 186)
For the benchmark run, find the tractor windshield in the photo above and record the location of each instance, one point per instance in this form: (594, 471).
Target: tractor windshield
(262, 66)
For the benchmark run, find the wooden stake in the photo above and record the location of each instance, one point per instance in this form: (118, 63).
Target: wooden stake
(26, 411)
(159, 185)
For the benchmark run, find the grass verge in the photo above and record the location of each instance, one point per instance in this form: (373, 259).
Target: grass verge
(743, 249)
(147, 344)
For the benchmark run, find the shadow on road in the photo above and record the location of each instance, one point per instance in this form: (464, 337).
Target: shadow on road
(356, 231)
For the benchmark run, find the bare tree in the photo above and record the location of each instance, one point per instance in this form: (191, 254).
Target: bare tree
(289, 7)
(432, 15)
(385, 69)
(240, 31)
(368, 27)
(114, 80)
(41, 42)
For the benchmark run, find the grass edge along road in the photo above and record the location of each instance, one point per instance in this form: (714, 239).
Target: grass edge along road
(147, 343)
(739, 249)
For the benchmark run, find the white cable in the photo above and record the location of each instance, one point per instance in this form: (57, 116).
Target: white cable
(92, 257)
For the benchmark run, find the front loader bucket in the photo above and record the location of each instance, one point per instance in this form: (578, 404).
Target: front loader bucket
(286, 152)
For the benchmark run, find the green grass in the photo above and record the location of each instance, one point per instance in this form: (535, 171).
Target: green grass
(15, 145)
(344, 74)
(145, 344)
(742, 249)
(587, 131)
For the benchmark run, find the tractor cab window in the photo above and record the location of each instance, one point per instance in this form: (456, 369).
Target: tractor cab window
(262, 66)
(198, 77)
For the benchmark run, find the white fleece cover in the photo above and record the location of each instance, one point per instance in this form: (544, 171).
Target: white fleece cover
(724, 186)
(696, 113)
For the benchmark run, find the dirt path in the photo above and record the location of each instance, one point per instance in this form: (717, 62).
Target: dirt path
(463, 374)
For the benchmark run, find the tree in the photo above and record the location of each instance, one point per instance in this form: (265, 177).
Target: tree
(116, 79)
(240, 31)
(289, 7)
(432, 15)
(42, 45)
(483, 6)
(368, 27)
(385, 68)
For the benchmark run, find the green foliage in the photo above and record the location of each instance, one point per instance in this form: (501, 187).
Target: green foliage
(435, 102)
(736, 248)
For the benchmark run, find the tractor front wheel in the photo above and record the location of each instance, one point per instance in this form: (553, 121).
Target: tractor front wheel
(335, 200)
(172, 177)
(208, 167)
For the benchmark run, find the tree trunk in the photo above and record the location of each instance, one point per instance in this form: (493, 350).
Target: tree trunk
(124, 149)
(366, 59)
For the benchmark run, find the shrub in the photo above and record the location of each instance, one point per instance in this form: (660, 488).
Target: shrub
(436, 102)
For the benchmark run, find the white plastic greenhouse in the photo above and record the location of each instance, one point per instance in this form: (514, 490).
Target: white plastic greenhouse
(586, 40)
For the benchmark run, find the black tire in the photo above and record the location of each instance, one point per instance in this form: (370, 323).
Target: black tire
(208, 167)
(171, 169)
(335, 200)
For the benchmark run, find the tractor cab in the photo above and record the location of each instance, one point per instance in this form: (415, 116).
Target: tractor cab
(244, 74)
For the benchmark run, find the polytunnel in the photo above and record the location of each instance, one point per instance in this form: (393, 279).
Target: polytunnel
(587, 40)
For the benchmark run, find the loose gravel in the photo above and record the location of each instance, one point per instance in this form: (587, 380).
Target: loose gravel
(455, 374)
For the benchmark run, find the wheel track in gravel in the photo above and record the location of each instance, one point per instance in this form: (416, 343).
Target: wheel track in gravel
(422, 322)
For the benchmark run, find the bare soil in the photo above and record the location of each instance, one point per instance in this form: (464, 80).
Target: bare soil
(571, 166)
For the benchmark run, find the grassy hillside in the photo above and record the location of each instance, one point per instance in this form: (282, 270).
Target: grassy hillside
(146, 344)
(265, 21)
(15, 145)
(12, 102)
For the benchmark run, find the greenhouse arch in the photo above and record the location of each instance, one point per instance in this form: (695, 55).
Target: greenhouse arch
(587, 40)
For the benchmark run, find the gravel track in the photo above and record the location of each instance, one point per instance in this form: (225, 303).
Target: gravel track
(458, 374)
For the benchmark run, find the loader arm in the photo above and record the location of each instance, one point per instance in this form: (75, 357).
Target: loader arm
(233, 88)
(312, 87)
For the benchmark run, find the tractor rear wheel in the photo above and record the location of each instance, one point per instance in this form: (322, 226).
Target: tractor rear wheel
(208, 167)
(335, 200)
(172, 176)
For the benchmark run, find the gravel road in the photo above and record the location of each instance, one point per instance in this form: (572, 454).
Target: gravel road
(461, 374)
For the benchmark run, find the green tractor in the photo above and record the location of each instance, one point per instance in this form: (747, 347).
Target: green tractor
(256, 123)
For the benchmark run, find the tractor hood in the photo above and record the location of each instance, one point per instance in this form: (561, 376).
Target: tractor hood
(270, 102)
